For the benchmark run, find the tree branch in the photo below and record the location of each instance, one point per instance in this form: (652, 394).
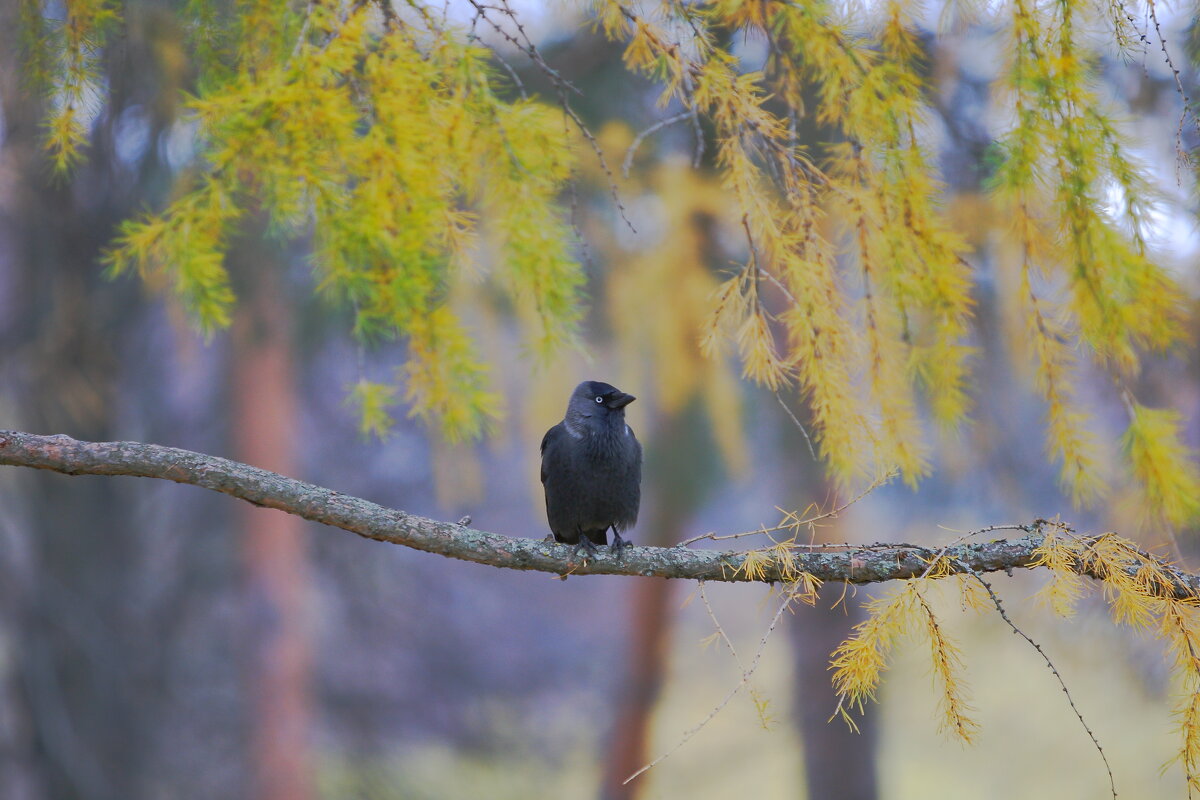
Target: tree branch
(858, 565)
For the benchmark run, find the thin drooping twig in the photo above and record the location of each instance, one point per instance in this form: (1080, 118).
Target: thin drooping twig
(789, 596)
(1181, 153)
(856, 565)
(512, 73)
(719, 629)
(720, 632)
(804, 432)
(561, 85)
(627, 163)
(1054, 670)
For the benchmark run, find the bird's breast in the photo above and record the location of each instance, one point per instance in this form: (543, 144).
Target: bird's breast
(610, 442)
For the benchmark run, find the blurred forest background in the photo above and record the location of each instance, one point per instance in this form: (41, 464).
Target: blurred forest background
(159, 641)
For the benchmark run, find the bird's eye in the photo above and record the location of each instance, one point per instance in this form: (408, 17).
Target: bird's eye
(599, 399)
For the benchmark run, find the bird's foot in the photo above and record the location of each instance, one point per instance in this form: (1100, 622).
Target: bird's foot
(587, 546)
(618, 544)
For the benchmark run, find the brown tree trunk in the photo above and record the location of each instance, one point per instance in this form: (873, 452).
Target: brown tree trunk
(651, 633)
(675, 486)
(274, 555)
(838, 762)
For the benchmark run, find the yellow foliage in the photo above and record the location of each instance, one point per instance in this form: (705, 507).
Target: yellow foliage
(677, 266)
(858, 663)
(918, 303)
(390, 139)
(1060, 553)
(373, 400)
(1163, 466)
(1141, 591)
(391, 146)
(183, 249)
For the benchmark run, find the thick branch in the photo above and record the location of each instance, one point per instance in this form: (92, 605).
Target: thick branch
(271, 490)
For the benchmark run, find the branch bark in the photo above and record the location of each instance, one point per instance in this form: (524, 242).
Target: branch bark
(871, 564)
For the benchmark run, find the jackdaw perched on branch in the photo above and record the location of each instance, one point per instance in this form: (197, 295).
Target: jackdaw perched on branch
(592, 469)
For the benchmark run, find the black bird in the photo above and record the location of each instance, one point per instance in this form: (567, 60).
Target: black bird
(592, 469)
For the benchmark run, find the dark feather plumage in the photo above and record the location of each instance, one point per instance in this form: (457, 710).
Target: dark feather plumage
(592, 468)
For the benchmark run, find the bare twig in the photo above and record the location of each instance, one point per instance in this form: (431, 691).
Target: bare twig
(789, 596)
(811, 450)
(717, 625)
(390, 20)
(1180, 152)
(1049, 665)
(512, 73)
(561, 85)
(790, 522)
(627, 163)
(698, 132)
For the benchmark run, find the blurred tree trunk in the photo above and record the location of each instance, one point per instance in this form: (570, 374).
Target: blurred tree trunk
(71, 664)
(677, 479)
(650, 635)
(265, 431)
(838, 763)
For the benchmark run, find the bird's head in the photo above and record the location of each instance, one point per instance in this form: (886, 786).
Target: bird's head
(597, 402)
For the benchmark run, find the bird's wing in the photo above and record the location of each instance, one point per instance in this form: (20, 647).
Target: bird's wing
(548, 441)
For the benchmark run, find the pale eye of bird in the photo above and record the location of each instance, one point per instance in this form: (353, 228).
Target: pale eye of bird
(599, 399)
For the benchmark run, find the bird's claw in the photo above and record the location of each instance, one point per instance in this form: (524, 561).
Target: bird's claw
(618, 545)
(587, 546)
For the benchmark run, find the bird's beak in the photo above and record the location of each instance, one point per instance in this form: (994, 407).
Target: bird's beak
(620, 400)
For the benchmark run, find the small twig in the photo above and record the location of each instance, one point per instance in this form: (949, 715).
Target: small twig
(698, 154)
(561, 86)
(789, 595)
(390, 20)
(533, 52)
(627, 163)
(940, 553)
(1049, 665)
(512, 73)
(1181, 154)
(779, 285)
(308, 9)
(811, 450)
(612, 181)
(790, 522)
(762, 718)
(717, 624)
